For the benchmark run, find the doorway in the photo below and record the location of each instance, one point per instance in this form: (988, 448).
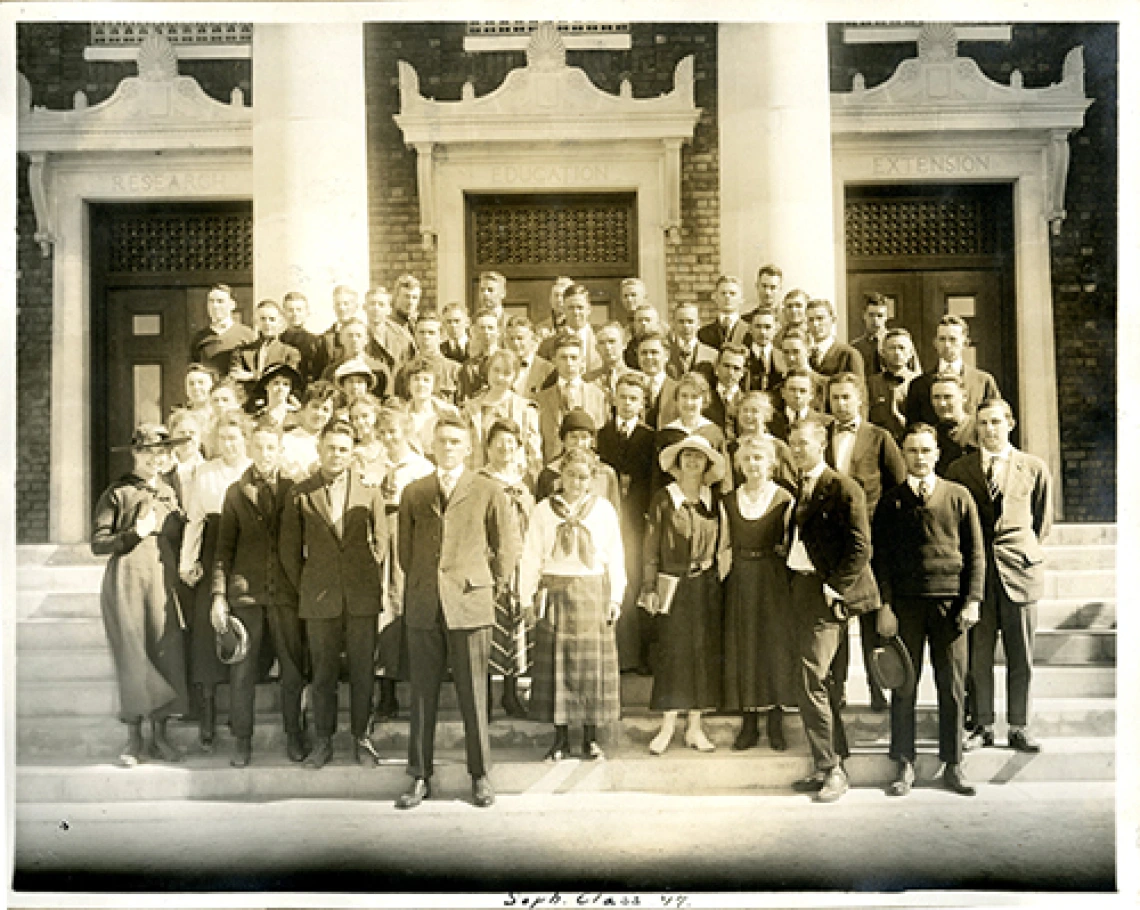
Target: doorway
(933, 250)
(532, 239)
(151, 268)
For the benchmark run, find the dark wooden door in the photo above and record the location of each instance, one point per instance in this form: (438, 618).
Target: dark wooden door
(532, 239)
(151, 270)
(932, 251)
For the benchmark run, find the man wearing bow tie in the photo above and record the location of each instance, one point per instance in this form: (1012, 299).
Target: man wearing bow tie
(829, 551)
(458, 544)
(1014, 495)
(931, 565)
(869, 456)
(887, 389)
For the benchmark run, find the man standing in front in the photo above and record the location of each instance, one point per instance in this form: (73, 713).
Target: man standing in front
(829, 554)
(930, 564)
(333, 539)
(1014, 495)
(458, 544)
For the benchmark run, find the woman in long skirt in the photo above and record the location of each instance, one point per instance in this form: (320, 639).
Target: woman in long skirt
(680, 583)
(759, 669)
(137, 523)
(572, 574)
(204, 510)
(511, 645)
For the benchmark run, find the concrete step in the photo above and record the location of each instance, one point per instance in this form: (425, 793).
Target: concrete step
(73, 605)
(1074, 613)
(518, 771)
(1056, 647)
(1080, 556)
(1090, 583)
(59, 634)
(1071, 534)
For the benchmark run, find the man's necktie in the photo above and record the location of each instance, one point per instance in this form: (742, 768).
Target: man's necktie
(991, 479)
(849, 426)
(814, 359)
(924, 491)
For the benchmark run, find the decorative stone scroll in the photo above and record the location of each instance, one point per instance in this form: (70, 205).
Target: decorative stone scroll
(547, 104)
(938, 91)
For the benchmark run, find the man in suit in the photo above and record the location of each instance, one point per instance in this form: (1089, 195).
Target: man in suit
(569, 391)
(214, 344)
(346, 306)
(557, 319)
(387, 341)
(887, 389)
(829, 356)
(869, 456)
(769, 280)
(956, 431)
(610, 341)
(728, 324)
(686, 353)
(250, 360)
(534, 371)
(766, 363)
(796, 348)
(950, 340)
(458, 544)
(406, 301)
(491, 292)
(646, 321)
(485, 339)
(634, 295)
(1014, 496)
(661, 388)
(875, 314)
(796, 395)
(627, 444)
(576, 310)
(726, 387)
(829, 552)
(793, 314)
(333, 539)
(296, 308)
(249, 582)
(455, 325)
(930, 564)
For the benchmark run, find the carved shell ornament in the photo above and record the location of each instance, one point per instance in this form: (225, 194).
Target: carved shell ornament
(938, 41)
(546, 51)
(157, 60)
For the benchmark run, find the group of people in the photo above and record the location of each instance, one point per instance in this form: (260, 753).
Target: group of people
(416, 493)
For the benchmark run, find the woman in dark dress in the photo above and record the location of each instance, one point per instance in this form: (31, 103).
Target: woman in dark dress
(511, 645)
(759, 669)
(137, 523)
(682, 544)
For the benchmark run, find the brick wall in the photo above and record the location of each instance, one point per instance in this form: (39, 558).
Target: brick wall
(435, 50)
(1083, 255)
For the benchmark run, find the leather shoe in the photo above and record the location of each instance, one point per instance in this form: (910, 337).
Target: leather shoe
(364, 752)
(321, 755)
(903, 781)
(747, 738)
(954, 779)
(415, 794)
(556, 753)
(295, 747)
(775, 726)
(879, 703)
(978, 738)
(1023, 742)
(242, 752)
(482, 793)
(835, 784)
(813, 783)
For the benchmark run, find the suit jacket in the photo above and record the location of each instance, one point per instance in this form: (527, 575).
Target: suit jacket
(835, 531)
(334, 572)
(779, 426)
(702, 354)
(662, 410)
(720, 412)
(551, 412)
(455, 557)
(765, 378)
(714, 336)
(306, 344)
(328, 350)
(868, 349)
(247, 561)
(215, 350)
(980, 386)
(245, 357)
(886, 402)
(840, 358)
(454, 351)
(590, 355)
(633, 459)
(607, 381)
(390, 343)
(535, 377)
(1015, 523)
(876, 462)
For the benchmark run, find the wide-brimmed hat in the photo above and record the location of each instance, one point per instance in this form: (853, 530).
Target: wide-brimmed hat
(355, 368)
(272, 372)
(577, 419)
(891, 666)
(151, 436)
(232, 643)
(694, 443)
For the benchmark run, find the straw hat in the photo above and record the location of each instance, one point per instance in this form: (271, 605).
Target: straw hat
(151, 436)
(694, 443)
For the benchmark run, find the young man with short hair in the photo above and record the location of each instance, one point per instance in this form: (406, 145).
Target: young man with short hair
(296, 308)
(887, 389)
(214, 344)
(950, 341)
(828, 355)
(728, 324)
(686, 352)
(570, 391)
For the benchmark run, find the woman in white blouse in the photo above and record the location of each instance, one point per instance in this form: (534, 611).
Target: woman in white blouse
(204, 502)
(572, 574)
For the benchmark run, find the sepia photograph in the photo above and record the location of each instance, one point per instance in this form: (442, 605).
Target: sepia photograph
(660, 460)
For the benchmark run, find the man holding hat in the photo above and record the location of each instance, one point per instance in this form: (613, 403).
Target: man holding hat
(249, 585)
(931, 565)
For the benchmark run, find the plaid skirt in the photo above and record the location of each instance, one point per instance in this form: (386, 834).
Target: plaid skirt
(576, 676)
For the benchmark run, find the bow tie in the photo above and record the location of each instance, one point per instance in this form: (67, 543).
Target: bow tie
(847, 426)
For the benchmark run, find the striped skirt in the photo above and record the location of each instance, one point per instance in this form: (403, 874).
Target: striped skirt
(512, 644)
(576, 675)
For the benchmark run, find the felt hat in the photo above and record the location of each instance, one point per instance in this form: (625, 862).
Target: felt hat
(232, 643)
(151, 436)
(694, 443)
(891, 666)
(576, 419)
(355, 368)
(272, 372)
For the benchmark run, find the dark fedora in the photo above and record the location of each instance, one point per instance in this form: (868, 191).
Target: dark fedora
(151, 436)
(232, 643)
(891, 666)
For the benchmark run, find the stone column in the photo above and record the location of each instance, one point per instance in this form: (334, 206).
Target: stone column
(310, 201)
(775, 154)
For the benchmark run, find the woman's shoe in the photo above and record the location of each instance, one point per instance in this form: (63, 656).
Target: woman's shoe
(555, 753)
(591, 751)
(776, 738)
(661, 741)
(749, 735)
(696, 739)
(131, 753)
